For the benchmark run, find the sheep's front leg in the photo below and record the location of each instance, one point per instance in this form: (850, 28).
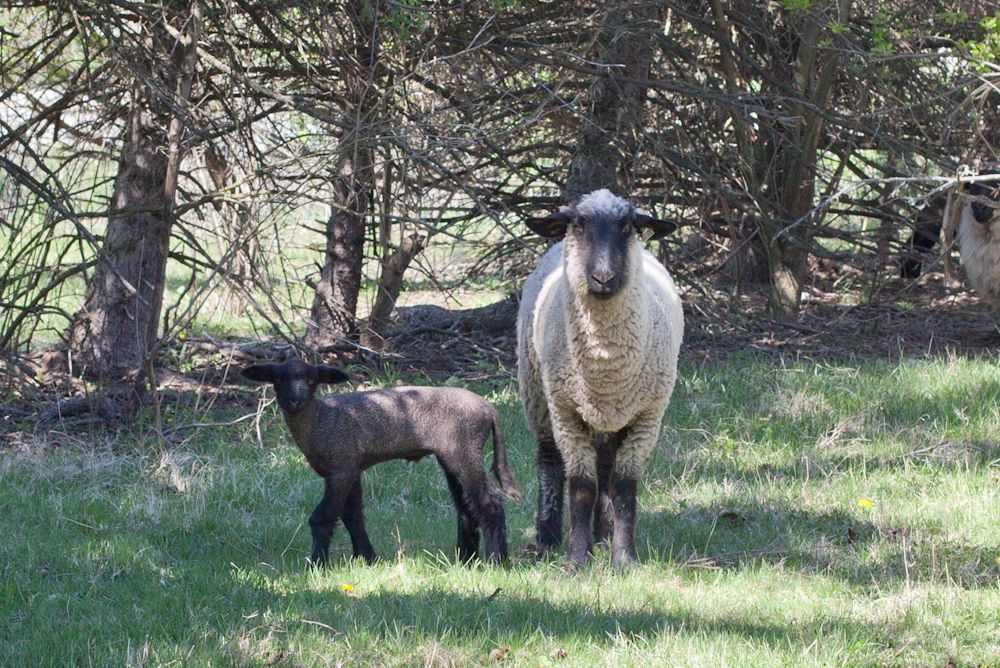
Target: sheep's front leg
(354, 521)
(551, 483)
(576, 447)
(629, 464)
(324, 517)
(606, 446)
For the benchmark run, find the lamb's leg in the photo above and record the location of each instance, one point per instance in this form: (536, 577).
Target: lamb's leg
(606, 446)
(354, 521)
(551, 482)
(488, 507)
(493, 521)
(324, 517)
(468, 528)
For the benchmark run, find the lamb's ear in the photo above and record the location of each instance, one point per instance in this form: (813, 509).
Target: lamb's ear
(330, 374)
(653, 228)
(263, 373)
(552, 226)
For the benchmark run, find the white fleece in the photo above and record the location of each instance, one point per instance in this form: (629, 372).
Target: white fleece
(587, 365)
(979, 246)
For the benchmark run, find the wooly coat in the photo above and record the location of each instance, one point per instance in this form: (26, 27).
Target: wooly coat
(599, 330)
(344, 434)
(979, 241)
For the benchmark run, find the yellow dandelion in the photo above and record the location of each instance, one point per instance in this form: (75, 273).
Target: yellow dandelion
(346, 587)
(998, 561)
(182, 335)
(865, 503)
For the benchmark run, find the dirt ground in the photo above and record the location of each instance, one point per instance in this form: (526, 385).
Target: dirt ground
(433, 338)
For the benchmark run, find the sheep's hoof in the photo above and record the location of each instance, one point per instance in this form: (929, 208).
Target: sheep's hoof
(623, 559)
(535, 551)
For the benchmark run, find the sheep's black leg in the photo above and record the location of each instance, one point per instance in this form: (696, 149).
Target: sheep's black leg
(582, 494)
(623, 541)
(606, 446)
(354, 521)
(324, 518)
(551, 481)
(468, 528)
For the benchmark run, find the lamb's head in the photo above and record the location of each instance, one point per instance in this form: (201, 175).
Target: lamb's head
(602, 248)
(990, 192)
(294, 381)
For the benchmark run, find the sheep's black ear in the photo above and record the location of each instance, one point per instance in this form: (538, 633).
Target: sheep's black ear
(659, 228)
(263, 373)
(552, 226)
(330, 374)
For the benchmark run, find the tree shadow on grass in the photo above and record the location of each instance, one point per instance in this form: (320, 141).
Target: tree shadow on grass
(510, 616)
(832, 544)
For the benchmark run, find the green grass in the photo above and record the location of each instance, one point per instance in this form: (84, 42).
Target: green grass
(754, 550)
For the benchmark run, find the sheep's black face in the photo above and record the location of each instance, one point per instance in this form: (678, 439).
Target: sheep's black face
(294, 381)
(602, 227)
(603, 244)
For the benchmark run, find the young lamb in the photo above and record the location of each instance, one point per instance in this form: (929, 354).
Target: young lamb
(979, 241)
(598, 333)
(343, 435)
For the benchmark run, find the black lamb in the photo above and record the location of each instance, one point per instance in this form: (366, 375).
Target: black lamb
(344, 434)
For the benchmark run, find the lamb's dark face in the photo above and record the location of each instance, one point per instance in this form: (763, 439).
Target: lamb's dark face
(602, 230)
(294, 381)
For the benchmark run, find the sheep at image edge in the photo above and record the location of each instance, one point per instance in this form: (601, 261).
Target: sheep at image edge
(979, 240)
(599, 329)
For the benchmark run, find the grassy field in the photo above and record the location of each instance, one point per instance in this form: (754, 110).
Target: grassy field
(795, 514)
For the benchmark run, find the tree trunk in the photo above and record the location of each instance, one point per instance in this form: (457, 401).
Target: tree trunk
(797, 146)
(389, 287)
(608, 140)
(235, 225)
(112, 336)
(336, 300)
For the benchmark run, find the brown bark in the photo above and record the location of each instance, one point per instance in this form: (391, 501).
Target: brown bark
(336, 300)
(797, 144)
(235, 227)
(112, 336)
(389, 287)
(608, 139)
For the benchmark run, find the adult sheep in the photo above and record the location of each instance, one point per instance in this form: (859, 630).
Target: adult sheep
(598, 332)
(979, 240)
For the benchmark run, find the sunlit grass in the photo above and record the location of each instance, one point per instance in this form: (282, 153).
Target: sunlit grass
(754, 546)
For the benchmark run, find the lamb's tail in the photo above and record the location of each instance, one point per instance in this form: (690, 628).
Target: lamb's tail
(501, 470)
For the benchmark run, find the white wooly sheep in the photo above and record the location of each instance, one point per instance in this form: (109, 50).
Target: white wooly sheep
(979, 242)
(599, 330)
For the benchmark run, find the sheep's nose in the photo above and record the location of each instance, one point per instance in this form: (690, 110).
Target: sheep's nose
(603, 277)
